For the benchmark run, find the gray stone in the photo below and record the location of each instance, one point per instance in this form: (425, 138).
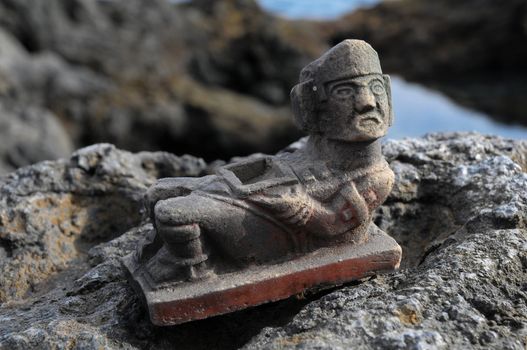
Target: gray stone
(29, 130)
(155, 75)
(30, 135)
(278, 224)
(458, 209)
(53, 212)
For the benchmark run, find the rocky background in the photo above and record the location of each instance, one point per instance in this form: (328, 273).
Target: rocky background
(212, 79)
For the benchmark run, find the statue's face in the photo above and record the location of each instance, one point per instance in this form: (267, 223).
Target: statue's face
(358, 109)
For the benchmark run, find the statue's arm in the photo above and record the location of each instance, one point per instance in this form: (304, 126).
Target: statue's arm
(345, 210)
(352, 205)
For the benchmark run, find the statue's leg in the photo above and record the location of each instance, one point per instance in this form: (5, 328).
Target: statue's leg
(232, 234)
(181, 257)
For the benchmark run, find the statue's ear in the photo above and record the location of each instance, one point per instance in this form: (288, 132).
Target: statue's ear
(388, 89)
(304, 101)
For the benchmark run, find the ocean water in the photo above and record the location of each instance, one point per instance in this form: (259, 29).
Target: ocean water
(313, 9)
(418, 110)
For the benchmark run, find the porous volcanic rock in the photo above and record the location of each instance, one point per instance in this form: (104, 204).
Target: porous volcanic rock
(458, 208)
(51, 213)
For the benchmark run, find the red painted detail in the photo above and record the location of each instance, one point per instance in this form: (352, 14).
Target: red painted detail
(371, 198)
(348, 213)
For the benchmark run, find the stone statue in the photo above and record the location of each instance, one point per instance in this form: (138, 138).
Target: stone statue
(273, 224)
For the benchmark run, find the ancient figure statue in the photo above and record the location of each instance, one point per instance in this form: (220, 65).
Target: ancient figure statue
(270, 209)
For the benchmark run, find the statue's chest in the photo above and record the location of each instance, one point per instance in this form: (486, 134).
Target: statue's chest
(323, 184)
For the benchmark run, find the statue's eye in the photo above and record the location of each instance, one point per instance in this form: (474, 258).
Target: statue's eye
(377, 87)
(343, 91)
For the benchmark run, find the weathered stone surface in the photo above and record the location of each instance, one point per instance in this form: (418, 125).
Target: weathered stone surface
(53, 212)
(458, 209)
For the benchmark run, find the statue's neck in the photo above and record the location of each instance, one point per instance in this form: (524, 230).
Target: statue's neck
(344, 155)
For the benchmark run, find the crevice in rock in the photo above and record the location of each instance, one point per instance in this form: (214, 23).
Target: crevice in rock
(418, 226)
(6, 248)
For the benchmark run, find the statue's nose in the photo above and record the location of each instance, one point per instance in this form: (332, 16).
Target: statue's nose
(364, 101)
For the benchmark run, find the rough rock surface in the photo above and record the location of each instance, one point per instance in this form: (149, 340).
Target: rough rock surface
(52, 212)
(458, 209)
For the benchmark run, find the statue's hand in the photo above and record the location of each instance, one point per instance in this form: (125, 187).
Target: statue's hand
(291, 205)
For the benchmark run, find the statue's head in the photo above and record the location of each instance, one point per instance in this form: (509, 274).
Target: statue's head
(343, 95)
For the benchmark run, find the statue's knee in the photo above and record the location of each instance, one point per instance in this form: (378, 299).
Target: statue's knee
(165, 189)
(165, 213)
(174, 227)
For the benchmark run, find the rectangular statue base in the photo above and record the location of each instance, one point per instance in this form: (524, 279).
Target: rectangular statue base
(188, 301)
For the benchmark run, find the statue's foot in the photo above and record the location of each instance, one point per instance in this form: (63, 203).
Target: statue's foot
(148, 247)
(165, 267)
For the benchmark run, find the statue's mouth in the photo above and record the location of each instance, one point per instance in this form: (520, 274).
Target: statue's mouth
(369, 119)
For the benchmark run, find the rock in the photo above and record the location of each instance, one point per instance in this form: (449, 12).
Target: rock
(469, 50)
(30, 135)
(250, 51)
(30, 131)
(454, 38)
(458, 209)
(53, 212)
(159, 76)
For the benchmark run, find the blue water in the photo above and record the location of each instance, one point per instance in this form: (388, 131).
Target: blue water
(418, 110)
(313, 9)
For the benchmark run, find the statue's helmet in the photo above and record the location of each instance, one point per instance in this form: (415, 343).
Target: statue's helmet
(350, 58)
